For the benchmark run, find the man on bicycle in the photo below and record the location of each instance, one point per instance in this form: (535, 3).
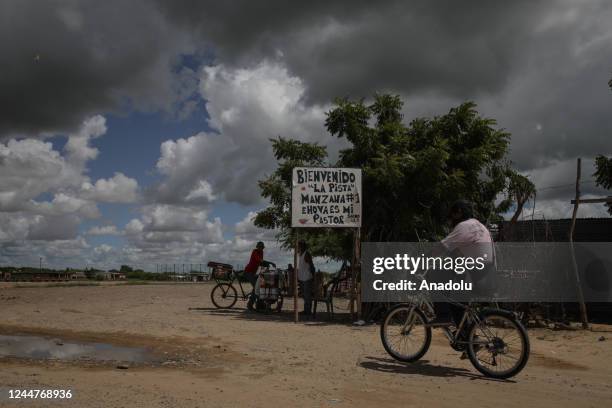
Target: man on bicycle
(256, 260)
(469, 238)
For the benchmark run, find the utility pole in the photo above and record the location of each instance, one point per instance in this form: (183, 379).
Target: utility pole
(583, 311)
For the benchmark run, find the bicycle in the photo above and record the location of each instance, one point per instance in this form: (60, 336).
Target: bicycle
(224, 295)
(491, 337)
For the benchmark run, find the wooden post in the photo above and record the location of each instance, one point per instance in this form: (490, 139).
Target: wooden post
(352, 288)
(295, 277)
(603, 200)
(355, 268)
(358, 271)
(583, 311)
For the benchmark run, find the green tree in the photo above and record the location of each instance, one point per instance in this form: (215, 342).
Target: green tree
(603, 174)
(125, 269)
(520, 191)
(277, 189)
(411, 174)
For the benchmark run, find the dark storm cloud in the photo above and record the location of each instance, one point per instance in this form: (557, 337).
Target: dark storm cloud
(356, 48)
(540, 68)
(64, 60)
(54, 228)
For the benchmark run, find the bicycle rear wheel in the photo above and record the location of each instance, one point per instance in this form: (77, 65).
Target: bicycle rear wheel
(498, 345)
(224, 296)
(404, 333)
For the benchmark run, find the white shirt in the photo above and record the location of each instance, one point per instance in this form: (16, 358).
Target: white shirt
(472, 239)
(303, 268)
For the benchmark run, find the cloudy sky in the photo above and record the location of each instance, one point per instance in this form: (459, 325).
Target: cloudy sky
(134, 132)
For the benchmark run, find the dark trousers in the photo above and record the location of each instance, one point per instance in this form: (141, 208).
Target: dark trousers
(444, 310)
(307, 295)
(252, 278)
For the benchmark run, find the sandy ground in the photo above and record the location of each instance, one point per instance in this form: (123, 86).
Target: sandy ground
(240, 359)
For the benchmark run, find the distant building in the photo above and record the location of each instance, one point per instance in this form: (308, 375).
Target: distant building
(78, 275)
(35, 275)
(109, 275)
(587, 230)
(117, 275)
(196, 276)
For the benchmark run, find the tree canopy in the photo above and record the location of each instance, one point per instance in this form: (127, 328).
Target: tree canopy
(411, 173)
(603, 174)
(603, 170)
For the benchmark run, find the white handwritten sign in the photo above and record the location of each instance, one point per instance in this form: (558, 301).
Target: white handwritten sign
(326, 197)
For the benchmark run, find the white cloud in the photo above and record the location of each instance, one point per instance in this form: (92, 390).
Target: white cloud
(166, 234)
(78, 150)
(247, 107)
(104, 230)
(134, 227)
(29, 168)
(103, 249)
(53, 228)
(117, 189)
(202, 192)
(247, 235)
(172, 231)
(174, 218)
(58, 253)
(64, 204)
(268, 87)
(14, 226)
(45, 195)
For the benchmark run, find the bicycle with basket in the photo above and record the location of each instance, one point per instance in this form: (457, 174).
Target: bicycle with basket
(267, 296)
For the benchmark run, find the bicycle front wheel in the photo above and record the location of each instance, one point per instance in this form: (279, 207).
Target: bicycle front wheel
(404, 333)
(224, 296)
(498, 345)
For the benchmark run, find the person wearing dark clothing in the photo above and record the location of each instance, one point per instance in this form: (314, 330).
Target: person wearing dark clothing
(305, 273)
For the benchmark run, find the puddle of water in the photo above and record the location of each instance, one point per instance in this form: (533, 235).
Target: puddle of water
(46, 348)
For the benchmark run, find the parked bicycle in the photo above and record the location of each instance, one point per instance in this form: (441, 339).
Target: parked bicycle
(495, 341)
(267, 296)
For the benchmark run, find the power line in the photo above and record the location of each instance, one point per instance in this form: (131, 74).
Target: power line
(563, 185)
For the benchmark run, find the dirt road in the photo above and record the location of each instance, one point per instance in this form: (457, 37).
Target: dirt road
(239, 359)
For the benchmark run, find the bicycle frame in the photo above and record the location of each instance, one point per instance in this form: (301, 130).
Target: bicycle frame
(233, 277)
(422, 302)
